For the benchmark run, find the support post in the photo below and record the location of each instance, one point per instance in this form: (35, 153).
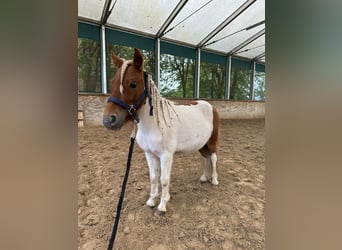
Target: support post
(197, 73)
(157, 61)
(228, 73)
(103, 60)
(251, 86)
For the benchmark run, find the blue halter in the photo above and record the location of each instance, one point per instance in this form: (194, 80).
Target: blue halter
(132, 109)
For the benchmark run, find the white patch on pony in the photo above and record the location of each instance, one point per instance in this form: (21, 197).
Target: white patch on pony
(124, 66)
(173, 128)
(121, 89)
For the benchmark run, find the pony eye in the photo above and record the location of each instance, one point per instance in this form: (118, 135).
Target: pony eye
(132, 85)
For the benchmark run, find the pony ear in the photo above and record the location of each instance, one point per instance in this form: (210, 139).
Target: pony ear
(138, 59)
(117, 61)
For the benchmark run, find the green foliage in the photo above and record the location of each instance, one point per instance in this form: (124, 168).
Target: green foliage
(212, 81)
(239, 84)
(259, 86)
(177, 73)
(88, 65)
(177, 76)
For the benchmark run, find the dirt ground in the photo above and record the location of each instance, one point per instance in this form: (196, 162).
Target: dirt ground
(199, 216)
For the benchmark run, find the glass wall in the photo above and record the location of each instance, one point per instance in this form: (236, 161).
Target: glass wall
(212, 80)
(89, 76)
(259, 86)
(177, 66)
(176, 76)
(239, 84)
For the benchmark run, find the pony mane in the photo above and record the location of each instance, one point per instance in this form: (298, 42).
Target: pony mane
(164, 109)
(164, 112)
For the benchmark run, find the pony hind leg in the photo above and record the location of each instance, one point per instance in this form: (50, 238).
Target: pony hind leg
(206, 169)
(209, 166)
(208, 151)
(213, 159)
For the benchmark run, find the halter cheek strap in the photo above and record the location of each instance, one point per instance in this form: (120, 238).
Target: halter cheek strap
(133, 108)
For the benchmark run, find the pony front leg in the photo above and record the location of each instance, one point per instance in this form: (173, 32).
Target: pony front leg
(166, 165)
(154, 166)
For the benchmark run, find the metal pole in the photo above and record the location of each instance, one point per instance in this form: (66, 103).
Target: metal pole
(103, 60)
(157, 61)
(228, 73)
(197, 73)
(251, 88)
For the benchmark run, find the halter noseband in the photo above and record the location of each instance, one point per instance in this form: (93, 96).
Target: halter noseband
(132, 109)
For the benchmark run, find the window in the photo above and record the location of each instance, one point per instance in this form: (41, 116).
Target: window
(259, 86)
(89, 65)
(212, 81)
(239, 84)
(177, 76)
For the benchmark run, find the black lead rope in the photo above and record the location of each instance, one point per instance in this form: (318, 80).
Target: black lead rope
(132, 111)
(122, 194)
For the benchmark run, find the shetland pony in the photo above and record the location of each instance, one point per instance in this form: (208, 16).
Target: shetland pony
(164, 128)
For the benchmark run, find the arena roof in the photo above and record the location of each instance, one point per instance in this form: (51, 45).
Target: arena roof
(230, 27)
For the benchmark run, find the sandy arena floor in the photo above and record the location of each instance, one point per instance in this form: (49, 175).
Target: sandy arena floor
(199, 216)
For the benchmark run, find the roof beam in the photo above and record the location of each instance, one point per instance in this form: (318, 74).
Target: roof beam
(170, 18)
(88, 20)
(261, 59)
(235, 14)
(248, 41)
(244, 29)
(259, 56)
(107, 10)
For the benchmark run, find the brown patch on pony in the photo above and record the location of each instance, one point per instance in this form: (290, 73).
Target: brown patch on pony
(188, 104)
(191, 103)
(211, 146)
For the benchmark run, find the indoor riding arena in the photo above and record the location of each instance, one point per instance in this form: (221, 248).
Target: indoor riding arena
(211, 50)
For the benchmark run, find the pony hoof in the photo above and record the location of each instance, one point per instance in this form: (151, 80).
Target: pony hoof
(214, 182)
(150, 203)
(159, 213)
(203, 179)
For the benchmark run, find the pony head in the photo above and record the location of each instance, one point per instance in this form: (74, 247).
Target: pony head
(128, 91)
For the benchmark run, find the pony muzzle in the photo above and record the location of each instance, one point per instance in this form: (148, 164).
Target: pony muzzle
(113, 121)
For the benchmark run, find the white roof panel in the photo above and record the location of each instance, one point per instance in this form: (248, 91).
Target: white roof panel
(236, 32)
(253, 49)
(91, 9)
(198, 18)
(142, 16)
(194, 20)
(233, 40)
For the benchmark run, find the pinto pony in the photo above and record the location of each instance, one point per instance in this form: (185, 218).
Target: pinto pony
(164, 128)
